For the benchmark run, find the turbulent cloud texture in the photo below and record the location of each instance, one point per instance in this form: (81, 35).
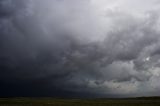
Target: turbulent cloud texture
(79, 48)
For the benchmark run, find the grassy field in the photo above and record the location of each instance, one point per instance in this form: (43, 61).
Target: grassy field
(153, 101)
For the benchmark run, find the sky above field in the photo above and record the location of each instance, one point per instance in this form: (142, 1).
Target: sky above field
(80, 48)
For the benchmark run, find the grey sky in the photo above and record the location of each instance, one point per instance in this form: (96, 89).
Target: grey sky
(80, 48)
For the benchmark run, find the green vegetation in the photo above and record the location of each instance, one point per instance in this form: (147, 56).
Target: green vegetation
(153, 101)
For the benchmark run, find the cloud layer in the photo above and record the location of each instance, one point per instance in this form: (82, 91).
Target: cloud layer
(79, 48)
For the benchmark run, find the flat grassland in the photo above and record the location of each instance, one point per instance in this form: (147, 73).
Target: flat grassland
(151, 101)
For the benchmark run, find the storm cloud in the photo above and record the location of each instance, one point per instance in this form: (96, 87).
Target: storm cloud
(79, 48)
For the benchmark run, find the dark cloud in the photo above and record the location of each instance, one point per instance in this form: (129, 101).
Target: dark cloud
(55, 48)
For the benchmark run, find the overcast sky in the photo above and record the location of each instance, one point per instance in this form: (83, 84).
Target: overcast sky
(79, 48)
